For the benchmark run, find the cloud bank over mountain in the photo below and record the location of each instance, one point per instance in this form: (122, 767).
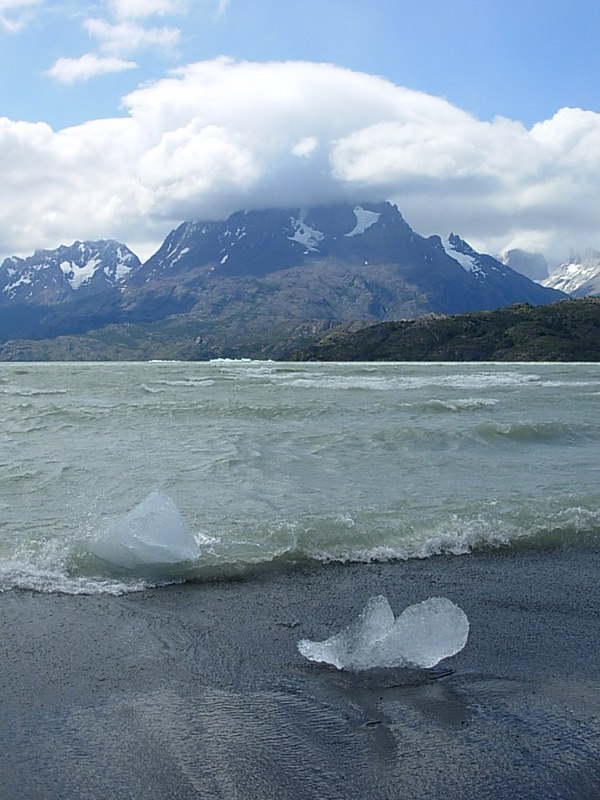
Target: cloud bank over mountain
(221, 135)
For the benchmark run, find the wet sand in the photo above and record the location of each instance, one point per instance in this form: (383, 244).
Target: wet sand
(198, 690)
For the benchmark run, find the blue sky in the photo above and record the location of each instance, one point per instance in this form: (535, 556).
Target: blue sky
(120, 118)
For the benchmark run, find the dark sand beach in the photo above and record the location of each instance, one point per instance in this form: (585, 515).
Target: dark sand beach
(198, 690)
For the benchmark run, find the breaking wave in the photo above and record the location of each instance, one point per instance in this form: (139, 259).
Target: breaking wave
(460, 404)
(152, 546)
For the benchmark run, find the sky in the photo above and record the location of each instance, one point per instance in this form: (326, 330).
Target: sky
(122, 118)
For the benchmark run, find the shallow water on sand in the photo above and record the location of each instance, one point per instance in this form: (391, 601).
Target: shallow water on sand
(198, 690)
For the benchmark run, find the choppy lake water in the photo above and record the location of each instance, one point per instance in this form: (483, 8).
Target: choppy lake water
(270, 462)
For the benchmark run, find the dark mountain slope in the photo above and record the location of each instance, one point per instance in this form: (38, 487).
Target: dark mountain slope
(320, 263)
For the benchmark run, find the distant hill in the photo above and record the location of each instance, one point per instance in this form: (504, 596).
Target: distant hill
(565, 331)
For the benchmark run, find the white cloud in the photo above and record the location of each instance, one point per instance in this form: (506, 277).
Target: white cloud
(90, 65)
(140, 9)
(127, 37)
(305, 146)
(15, 14)
(217, 136)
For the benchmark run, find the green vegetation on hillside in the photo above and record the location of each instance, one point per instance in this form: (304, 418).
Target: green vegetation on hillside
(565, 331)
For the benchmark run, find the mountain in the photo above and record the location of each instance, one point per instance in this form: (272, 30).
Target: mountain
(532, 265)
(65, 278)
(261, 271)
(495, 276)
(579, 277)
(565, 331)
(257, 243)
(339, 263)
(52, 276)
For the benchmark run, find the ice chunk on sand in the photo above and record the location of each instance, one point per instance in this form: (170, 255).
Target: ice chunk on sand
(154, 532)
(422, 635)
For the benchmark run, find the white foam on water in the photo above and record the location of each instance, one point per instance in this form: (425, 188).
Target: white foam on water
(461, 404)
(421, 636)
(25, 575)
(186, 382)
(152, 533)
(393, 381)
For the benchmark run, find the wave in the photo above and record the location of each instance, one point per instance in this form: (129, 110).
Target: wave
(72, 567)
(376, 377)
(22, 391)
(458, 405)
(557, 384)
(24, 575)
(540, 432)
(186, 382)
(398, 382)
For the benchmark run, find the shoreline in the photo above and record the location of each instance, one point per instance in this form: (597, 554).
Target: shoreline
(198, 690)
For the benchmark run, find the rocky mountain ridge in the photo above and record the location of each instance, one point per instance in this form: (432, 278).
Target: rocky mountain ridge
(52, 276)
(259, 269)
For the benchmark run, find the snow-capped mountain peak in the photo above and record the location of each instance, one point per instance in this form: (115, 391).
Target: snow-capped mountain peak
(54, 275)
(579, 277)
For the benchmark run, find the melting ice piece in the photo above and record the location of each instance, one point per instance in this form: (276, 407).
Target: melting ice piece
(154, 532)
(422, 635)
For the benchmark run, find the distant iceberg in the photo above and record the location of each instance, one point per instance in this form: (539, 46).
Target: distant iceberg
(421, 636)
(152, 533)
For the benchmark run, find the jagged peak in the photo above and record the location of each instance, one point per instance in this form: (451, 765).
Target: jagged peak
(460, 245)
(67, 268)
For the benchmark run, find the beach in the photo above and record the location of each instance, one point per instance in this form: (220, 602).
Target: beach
(169, 532)
(198, 690)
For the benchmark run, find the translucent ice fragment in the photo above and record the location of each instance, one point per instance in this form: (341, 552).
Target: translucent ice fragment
(352, 647)
(422, 635)
(154, 532)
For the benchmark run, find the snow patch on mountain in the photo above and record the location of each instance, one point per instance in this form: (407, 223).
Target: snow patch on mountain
(462, 253)
(364, 220)
(178, 242)
(184, 251)
(308, 237)
(11, 288)
(78, 274)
